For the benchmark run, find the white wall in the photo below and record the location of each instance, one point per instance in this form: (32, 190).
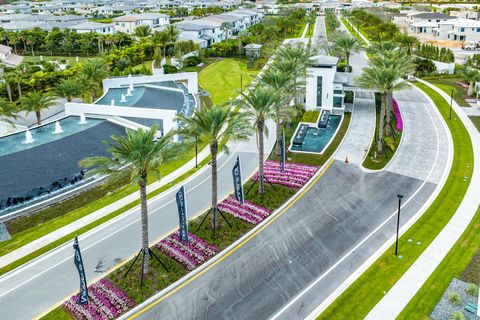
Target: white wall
(168, 116)
(328, 75)
(190, 77)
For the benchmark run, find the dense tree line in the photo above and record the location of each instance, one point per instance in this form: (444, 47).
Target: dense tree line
(435, 53)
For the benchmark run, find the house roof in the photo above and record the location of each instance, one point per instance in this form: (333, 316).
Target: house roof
(90, 26)
(5, 49)
(253, 46)
(324, 60)
(431, 15)
(141, 16)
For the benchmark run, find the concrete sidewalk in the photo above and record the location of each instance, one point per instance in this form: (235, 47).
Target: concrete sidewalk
(405, 289)
(100, 213)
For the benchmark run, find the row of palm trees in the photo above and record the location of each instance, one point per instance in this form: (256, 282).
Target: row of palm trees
(140, 155)
(92, 72)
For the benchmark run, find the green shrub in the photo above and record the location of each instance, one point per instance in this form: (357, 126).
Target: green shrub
(472, 290)
(455, 298)
(310, 116)
(191, 61)
(457, 315)
(348, 96)
(169, 69)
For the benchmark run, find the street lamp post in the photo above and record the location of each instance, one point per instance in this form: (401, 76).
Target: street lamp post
(241, 84)
(399, 196)
(196, 151)
(451, 101)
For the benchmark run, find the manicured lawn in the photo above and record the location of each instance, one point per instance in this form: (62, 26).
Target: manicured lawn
(381, 160)
(222, 78)
(370, 287)
(352, 31)
(476, 121)
(71, 60)
(449, 84)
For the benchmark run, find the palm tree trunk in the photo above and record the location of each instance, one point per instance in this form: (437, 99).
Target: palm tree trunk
(144, 216)
(381, 123)
(39, 117)
(213, 152)
(388, 110)
(19, 89)
(470, 88)
(261, 182)
(277, 133)
(9, 91)
(347, 57)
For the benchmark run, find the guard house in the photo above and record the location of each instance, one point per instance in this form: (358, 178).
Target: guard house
(324, 85)
(252, 50)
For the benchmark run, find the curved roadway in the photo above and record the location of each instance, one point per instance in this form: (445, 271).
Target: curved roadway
(292, 266)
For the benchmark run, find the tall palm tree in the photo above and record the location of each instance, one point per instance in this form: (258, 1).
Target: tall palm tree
(160, 39)
(8, 110)
(259, 106)
(471, 76)
(140, 155)
(143, 31)
(173, 33)
(95, 71)
(36, 101)
(406, 42)
(280, 82)
(69, 88)
(311, 18)
(345, 46)
(214, 125)
(225, 27)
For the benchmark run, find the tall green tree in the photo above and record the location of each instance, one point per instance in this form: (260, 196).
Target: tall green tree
(94, 71)
(345, 46)
(311, 19)
(36, 101)
(471, 76)
(69, 88)
(138, 154)
(143, 31)
(8, 110)
(226, 26)
(215, 125)
(407, 42)
(259, 106)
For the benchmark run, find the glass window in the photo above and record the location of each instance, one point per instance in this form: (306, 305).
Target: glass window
(337, 102)
(319, 91)
(337, 91)
(462, 29)
(478, 29)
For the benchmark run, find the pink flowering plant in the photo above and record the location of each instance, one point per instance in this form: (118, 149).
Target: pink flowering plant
(295, 175)
(249, 212)
(106, 301)
(398, 116)
(190, 254)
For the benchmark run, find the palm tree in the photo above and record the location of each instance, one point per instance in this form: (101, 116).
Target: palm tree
(160, 39)
(143, 31)
(36, 101)
(259, 106)
(471, 76)
(225, 27)
(280, 82)
(69, 88)
(172, 33)
(311, 18)
(407, 42)
(214, 125)
(140, 155)
(94, 70)
(345, 46)
(8, 109)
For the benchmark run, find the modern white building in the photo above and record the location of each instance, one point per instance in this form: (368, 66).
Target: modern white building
(425, 22)
(96, 27)
(324, 85)
(8, 58)
(129, 23)
(459, 30)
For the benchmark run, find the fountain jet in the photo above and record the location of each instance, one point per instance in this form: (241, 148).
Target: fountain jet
(58, 128)
(129, 92)
(112, 103)
(28, 137)
(131, 87)
(82, 119)
(123, 98)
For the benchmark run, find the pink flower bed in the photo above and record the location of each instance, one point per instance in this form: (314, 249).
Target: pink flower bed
(106, 301)
(295, 174)
(398, 116)
(249, 212)
(190, 254)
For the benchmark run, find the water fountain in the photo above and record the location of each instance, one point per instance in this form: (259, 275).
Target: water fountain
(112, 103)
(129, 75)
(131, 87)
(129, 92)
(123, 98)
(58, 128)
(82, 119)
(28, 137)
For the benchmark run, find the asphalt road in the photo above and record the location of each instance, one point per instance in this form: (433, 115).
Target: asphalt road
(35, 287)
(297, 261)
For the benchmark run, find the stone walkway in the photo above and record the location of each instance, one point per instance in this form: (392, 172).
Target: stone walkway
(474, 110)
(405, 289)
(362, 129)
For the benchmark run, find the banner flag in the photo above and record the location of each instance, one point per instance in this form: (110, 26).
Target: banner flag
(282, 152)
(82, 297)
(237, 181)
(182, 214)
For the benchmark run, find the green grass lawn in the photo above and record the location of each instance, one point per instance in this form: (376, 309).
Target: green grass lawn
(222, 78)
(476, 121)
(370, 287)
(71, 60)
(352, 31)
(449, 84)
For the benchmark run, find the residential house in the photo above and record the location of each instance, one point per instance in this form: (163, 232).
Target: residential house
(425, 22)
(129, 23)
(459, 30)
(102, 28)
(8, 58)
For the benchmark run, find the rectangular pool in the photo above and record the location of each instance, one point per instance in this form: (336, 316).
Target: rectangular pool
(316, 139)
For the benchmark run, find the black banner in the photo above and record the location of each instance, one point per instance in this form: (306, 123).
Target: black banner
(237, 181)
(82, 297)
(182, 214)
(282, 152)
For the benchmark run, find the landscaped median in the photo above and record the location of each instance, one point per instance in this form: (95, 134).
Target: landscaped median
(370, 287)
(182, 258)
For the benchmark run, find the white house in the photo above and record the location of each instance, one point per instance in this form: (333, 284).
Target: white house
(93, 27)
(8, 58)
(324, 86)
(424, 22)
(129, 23)
(459, 30)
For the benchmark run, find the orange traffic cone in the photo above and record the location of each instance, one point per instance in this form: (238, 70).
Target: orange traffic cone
(346, 158)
